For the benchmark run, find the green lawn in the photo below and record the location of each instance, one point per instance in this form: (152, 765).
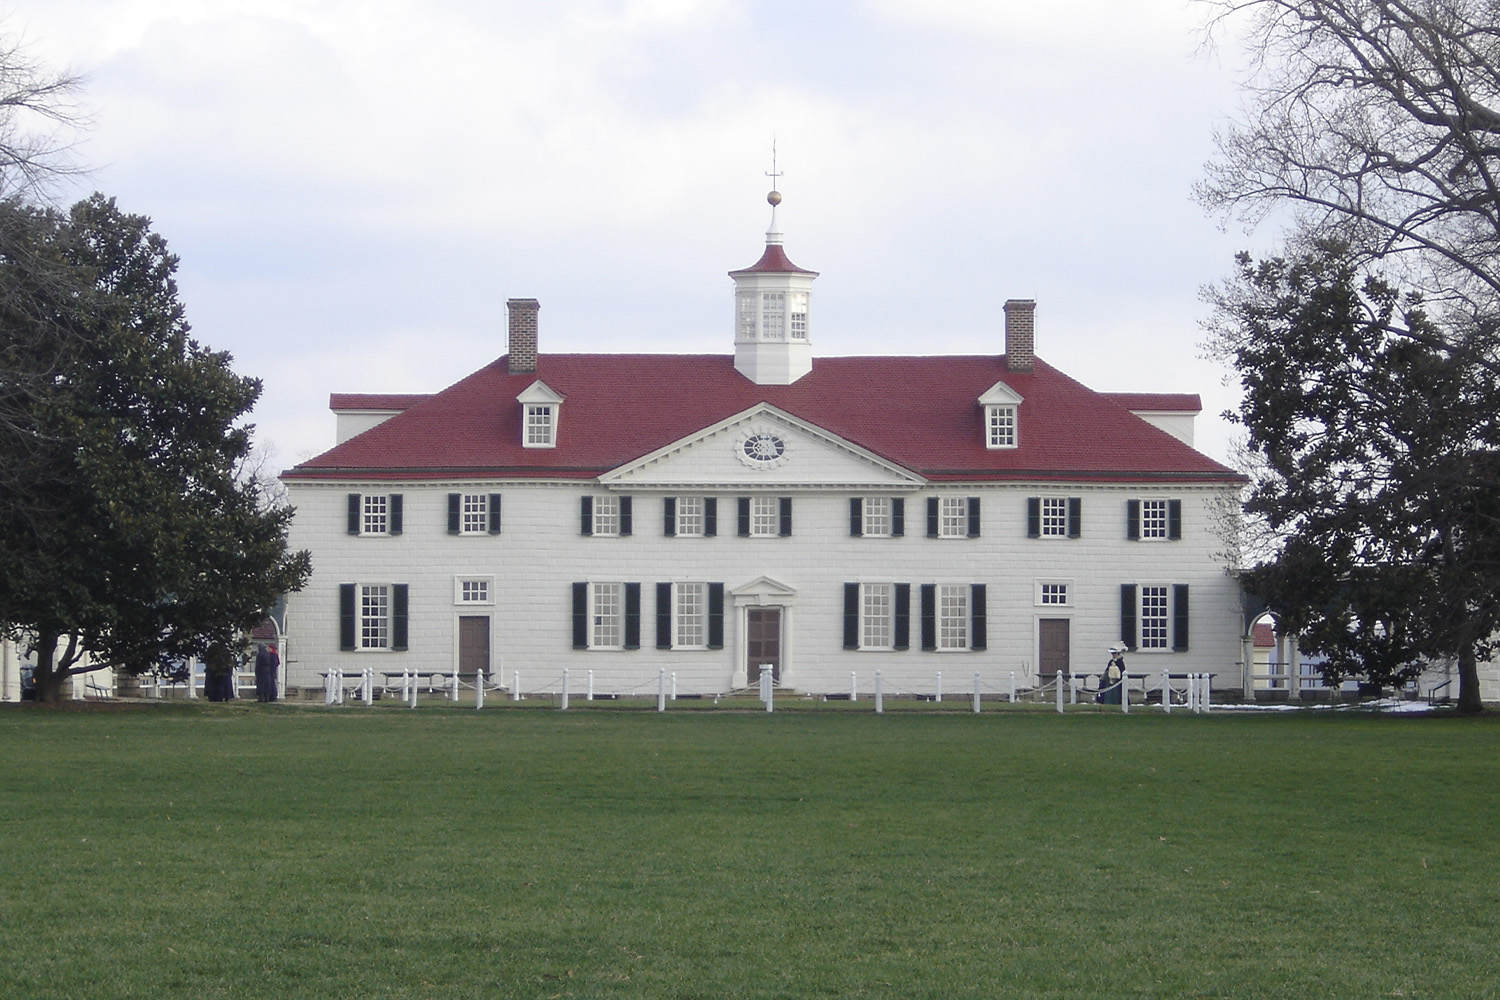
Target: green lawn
(298, 852)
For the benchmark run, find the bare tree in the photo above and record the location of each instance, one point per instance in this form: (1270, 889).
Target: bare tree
(1379, 119)
(38, 120)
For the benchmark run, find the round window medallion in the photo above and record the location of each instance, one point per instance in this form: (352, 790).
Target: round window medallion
(761, 450)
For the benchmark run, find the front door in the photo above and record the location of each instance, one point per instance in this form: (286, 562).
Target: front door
(762, 643)
(473, 644)
(1052, 647)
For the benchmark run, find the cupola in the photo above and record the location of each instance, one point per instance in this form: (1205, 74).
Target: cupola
(772, 314)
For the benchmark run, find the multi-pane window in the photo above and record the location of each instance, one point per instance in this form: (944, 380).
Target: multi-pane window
(689, 515)
(1052, 593)
(541, 425)
(375, 514)
(799, 315)
(953, 616)
(474, 513)
(1153, 519)
(877, 516)
(953, 517)
(607, 615)
(1054, 517)
(374, 616)
(1000, 422)
(690, 615)
(606, 515)
(765, 516)
(876, 616)
(773, 315)
(474, 590)
(1155, 618)
(747, 315)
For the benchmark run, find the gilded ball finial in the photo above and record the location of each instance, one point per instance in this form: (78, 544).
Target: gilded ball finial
(774, 198)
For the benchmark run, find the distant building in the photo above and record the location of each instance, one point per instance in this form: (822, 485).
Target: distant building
(626, 517)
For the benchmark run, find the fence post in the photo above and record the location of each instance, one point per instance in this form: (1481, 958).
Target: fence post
(938, 693)
(879, 696)
(563, 705)
(976, 692)
(1166, 692)
(767, 688)
(591, 685)
(412, 700)
(1192, 693)
(661, 689)
(1012, 687)
(1125, 692)
(367, 686)
(479, 688)
(1208, 692)
(1058, 680)
(515, 685)
(455, 687)
(674, 685)
(853, 688)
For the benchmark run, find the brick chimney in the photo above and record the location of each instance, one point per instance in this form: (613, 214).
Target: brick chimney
(522, 335)
(1020, 334)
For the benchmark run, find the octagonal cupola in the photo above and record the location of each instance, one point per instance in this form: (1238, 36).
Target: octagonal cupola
(772, 314)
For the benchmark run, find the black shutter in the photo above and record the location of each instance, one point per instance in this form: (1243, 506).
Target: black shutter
(355, 504)
(1133, 520)
(851, 616)
(398, 616)
(1033, 517)
(663, 616)
(929, 616)
(669, 516)
(973, 517)
(580, 616)
(625, 518)
(786, 516)
(346, 614)
(1127, 615)
(744, 504)
(715, 616)
(395, 527)
(455, 512)
(898, 516)
(1075, 517)
(710, 516)
(856, 517)
(494, 513)
(932, 517)
(1179, 618)
(978, 621)
(632, 616)
(1174, 518)
(901, 631)
(586, 515)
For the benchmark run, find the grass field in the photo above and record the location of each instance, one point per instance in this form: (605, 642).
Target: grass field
(295, 852)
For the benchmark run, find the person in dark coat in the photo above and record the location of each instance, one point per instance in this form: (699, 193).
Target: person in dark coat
(266, 662)
(1112, 682)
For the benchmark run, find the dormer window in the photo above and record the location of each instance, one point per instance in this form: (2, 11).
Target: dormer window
(540, 406)
(1002, 408)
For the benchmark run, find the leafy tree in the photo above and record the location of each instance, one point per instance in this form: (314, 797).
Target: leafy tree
(131, 533)
(1381, 473)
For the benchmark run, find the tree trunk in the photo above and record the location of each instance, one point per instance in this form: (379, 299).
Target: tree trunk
(49, 678)
(1468, 682)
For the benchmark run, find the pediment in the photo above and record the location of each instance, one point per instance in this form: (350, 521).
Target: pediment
(539, 392)
(762, 447)
(764, 589)
(1000, 394)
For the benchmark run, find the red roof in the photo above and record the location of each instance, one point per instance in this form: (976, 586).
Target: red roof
(921, 413)
(775, 261)
(1158, 402)
(374, 400)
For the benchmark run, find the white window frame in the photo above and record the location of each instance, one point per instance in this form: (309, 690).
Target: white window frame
(474, 591)
(1000, 425)
(953, 622)
(375, 514)
(473, 513)
(606, 515)
(690, 616)
(1053, 520)
(690, 517)
(877, 616)
(797, 316)
(773, 316)
(1154, 519)
(1054, 593)
(1154, 617)
(765, 516)
(373, 617)
(541, 425)
(953, 517)
(749, 314)
(606, 615)
(875, 517)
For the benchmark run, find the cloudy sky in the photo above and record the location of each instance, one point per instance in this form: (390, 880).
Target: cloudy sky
(356, 186)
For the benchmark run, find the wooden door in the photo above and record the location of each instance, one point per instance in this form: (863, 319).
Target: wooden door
(473, 644)
(762, 642)
(1052, 647)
